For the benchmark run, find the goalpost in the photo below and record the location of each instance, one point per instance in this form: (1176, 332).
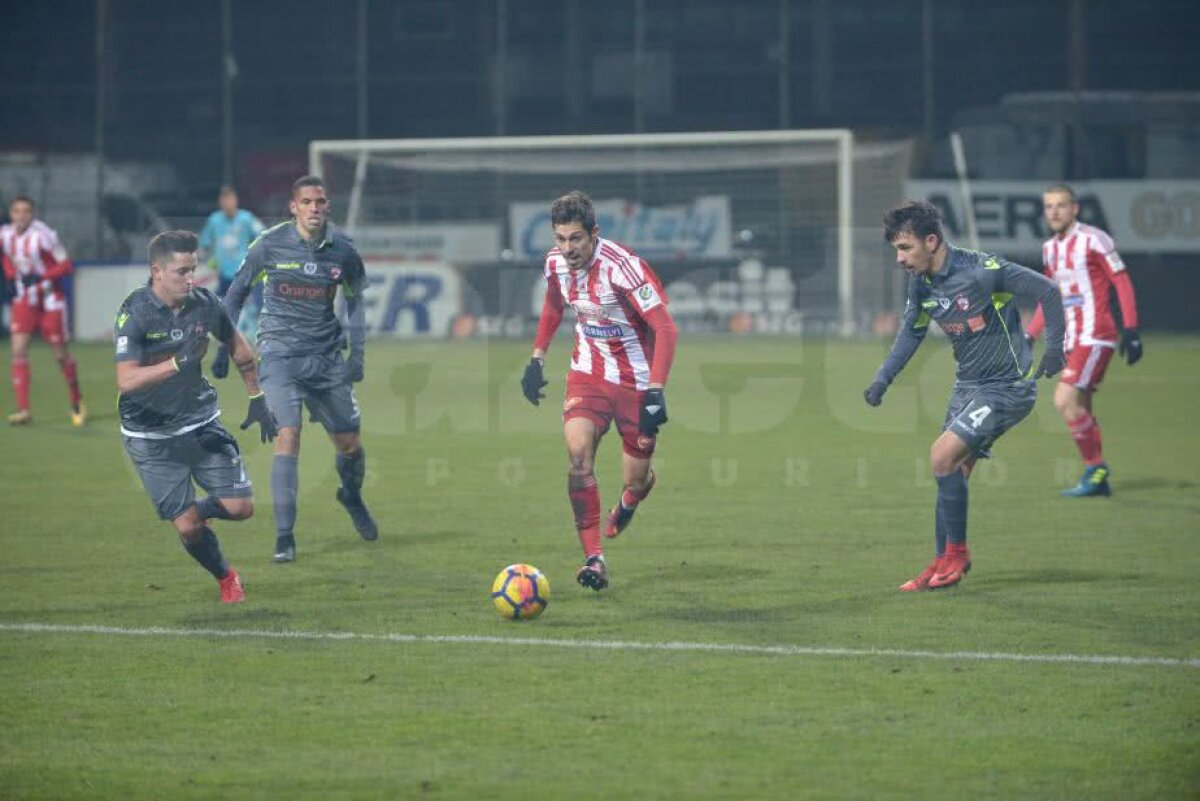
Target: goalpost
(754, 229)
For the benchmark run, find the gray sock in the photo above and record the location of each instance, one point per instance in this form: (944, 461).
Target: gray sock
(285, 485)
(951, 515)
(207, 551)
(352, 468)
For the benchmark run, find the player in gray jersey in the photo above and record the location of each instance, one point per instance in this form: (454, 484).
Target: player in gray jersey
(169, 411)
(301, 264)
(970, 296)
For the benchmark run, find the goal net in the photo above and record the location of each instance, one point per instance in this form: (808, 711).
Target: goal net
(751, 232)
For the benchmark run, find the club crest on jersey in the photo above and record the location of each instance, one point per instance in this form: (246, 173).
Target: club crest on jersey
(944, 303)
(646, 297)
(961, 302)
(310, 268)
(335, 273)
(176, 334)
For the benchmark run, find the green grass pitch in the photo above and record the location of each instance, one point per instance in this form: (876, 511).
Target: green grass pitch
(786, 514)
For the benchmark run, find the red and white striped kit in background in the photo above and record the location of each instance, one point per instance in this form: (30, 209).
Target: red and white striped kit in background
(1085, 264)
(611, 299)
(34, 251)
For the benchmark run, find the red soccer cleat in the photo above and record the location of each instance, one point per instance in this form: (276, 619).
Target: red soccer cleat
(921, 582)
(955, 564)
(231, 588)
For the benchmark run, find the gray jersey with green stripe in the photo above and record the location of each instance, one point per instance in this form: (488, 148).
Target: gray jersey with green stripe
(972, 299)
(300, 281)
(149, 331)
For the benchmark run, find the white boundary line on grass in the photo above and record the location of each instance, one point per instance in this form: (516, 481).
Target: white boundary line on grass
(609, 645)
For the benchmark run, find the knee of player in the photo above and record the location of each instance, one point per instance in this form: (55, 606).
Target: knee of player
(190, 530)
(579, 464)
(239, 508)
(287, 441)
(940, 463)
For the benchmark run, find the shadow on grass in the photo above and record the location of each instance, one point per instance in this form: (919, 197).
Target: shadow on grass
(1061, 575)
(1154, 484)
(220, 617)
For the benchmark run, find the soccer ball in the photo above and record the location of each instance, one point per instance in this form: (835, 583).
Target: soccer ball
(520, 592)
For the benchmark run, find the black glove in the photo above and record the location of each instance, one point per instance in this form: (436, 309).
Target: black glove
(653, 412)
(873, 394)
(352, 370)
(190, 353)
(1051, 364)
(260, 413)
(220, 362)
(532, 382)
(1131, 346)
(30, 279)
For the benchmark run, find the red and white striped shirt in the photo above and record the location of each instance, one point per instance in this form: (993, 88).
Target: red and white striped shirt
(35, 251)
(611, 298)
(1086, 266)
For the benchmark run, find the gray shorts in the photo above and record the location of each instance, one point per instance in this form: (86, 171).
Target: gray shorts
(317, 382)
(209, 456)
(981, 414)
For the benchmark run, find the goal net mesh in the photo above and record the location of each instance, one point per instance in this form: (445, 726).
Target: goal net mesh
(743, 229)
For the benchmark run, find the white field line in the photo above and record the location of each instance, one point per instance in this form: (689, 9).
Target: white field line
(607, 645)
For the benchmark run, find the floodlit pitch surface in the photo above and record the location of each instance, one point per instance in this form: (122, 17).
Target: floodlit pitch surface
(752, 644)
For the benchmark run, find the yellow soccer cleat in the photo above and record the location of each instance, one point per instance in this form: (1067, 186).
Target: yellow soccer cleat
(79, 416)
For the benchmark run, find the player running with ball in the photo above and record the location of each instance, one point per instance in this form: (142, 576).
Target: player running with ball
(624, 344)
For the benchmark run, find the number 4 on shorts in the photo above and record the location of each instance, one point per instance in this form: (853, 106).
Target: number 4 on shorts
(979, 415)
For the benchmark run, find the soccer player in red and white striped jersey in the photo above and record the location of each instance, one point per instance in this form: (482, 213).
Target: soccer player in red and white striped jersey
(1083, 260)
(624, 344)
(36, 263)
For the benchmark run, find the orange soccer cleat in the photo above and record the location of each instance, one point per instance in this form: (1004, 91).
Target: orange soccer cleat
(921, 582)
(954, 565)
(231, 588)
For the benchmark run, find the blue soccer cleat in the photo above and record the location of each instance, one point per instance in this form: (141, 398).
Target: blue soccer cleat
(1094, 484)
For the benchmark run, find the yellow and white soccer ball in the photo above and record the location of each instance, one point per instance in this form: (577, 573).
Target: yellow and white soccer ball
(520, 592)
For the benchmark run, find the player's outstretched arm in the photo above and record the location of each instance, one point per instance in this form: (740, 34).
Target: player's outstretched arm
(914, 325)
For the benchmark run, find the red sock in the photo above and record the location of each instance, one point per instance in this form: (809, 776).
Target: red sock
(71, 374)
(630, 499)
(1086, 433)
(19, 371)
(585, 502)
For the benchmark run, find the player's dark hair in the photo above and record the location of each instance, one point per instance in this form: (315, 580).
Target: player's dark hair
(167, 243)
(227, 189)
(23, 199)
(1065, 189)
(917, 217)
(307, 180)
(575, 206)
